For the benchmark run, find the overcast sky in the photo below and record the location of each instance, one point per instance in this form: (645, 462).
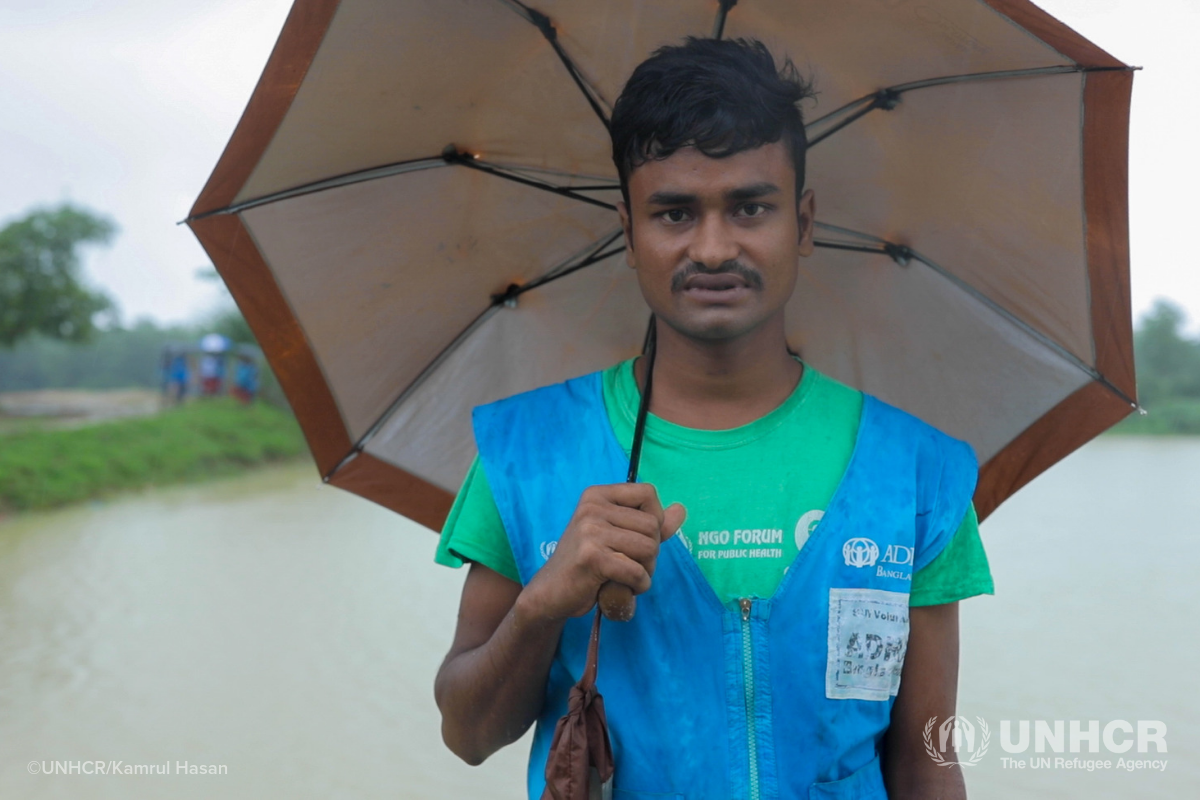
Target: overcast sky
(125, 105)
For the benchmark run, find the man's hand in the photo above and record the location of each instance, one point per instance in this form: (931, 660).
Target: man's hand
(614, 535)
(492, 684)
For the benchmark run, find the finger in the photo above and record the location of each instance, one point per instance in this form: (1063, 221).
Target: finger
(651, 504)
(632, 519)
(673, 518)
(621, 568)
(638, 547)
(634, 495)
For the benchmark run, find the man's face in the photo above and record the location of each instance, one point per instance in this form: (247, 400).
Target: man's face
(715, 242)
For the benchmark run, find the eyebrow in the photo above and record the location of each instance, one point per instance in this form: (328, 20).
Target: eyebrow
(671, 199)
(751, 192)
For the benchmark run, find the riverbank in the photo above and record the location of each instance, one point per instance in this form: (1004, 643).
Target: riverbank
(47, 468)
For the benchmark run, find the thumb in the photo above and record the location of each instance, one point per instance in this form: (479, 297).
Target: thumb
(673, 517)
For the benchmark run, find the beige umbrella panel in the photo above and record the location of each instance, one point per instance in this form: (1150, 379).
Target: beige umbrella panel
(969, 162)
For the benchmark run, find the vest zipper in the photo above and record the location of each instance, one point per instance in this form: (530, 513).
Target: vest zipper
(748, 685)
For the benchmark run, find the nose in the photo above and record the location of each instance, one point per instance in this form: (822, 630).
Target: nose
(713, 243)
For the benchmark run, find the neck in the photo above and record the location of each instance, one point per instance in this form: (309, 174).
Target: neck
(716, 385)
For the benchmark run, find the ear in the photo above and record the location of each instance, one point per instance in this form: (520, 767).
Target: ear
(806, 213)
(627, 227)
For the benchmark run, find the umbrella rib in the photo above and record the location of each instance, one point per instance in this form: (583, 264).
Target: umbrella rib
(454, 156)
(516, 290)
(543, 24)
(348, 179)
(903, 255)
(402, 167)
(889, 97)
(597, 184)
(857, 248)
(590, 255)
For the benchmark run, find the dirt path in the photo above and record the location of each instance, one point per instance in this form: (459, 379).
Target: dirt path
(69, 408)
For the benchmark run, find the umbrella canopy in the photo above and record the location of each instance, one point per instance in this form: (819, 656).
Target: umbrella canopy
(214, 343)
(415, 215)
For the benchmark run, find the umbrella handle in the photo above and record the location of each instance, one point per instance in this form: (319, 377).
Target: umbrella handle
(617, 601)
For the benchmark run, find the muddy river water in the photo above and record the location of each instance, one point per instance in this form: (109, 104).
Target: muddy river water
(289, 633)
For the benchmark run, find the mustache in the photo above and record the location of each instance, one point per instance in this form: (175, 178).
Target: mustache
(751, 276)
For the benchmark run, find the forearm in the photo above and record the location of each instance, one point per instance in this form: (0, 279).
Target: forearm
(910, 774)
(928, 689)
(492, 685)
(491, 694)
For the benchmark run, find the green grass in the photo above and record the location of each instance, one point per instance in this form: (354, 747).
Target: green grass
(1173, 418)
(46, 468)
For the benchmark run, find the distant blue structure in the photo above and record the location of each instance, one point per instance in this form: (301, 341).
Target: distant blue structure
(201, 369)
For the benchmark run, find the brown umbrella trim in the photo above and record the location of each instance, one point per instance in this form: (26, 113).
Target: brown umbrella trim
(287, 349)
(1066, 427)
(394, 488)
(1106, 202)
(1093, 408)
(241, 265)
(269, 315)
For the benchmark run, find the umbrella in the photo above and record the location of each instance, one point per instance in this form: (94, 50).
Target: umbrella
(415, 216)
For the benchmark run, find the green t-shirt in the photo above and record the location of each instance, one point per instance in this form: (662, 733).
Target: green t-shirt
(753, 494)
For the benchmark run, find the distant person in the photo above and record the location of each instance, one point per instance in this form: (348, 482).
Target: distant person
(212, 363)
(165, 373)
(212, 374)
(245, 380)
(177, 378)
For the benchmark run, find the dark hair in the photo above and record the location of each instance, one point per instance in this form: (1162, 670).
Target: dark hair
(721, 96)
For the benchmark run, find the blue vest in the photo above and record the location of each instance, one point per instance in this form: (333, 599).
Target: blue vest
(782, 697)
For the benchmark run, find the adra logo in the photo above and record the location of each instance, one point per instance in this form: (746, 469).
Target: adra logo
(860, 552)
(863, 552)
(898, 554)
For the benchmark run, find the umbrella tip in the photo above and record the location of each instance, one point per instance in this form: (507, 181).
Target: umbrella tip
(507, 298)
(900, 254)
(451, 154)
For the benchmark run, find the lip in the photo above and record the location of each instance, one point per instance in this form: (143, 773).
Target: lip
(724, 288)
(718, 283)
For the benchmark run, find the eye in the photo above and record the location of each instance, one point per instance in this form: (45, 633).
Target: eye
(752, 210)
(675, 215)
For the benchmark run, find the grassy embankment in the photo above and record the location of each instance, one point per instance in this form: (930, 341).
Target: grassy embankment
(45, 468)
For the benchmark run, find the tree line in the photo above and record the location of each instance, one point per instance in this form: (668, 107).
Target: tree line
(58, 333)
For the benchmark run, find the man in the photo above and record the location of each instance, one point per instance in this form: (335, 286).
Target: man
(796, 635)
